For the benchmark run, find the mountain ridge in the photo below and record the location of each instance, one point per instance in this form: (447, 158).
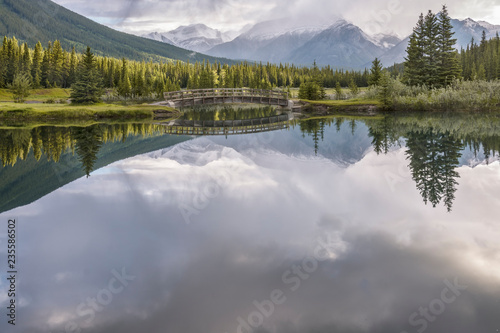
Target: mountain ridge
(45, 21)
(281, 41)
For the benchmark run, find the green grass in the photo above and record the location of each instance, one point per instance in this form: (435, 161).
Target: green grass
(38, 95)
(13, 114)
(346, 102)
(332, 91)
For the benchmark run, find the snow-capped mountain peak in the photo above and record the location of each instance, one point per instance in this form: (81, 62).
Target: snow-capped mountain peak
(195, 37)
(489, 26)
(386, 41)
(332, 41)
(268, 30)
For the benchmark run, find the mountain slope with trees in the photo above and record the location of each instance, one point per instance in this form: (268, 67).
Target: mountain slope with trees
(44, 21)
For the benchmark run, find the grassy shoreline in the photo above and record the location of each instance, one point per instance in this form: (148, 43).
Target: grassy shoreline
(351, 107)
(474, 96)
(14, 115)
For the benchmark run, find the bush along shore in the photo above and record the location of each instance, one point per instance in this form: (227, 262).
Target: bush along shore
(458, 96)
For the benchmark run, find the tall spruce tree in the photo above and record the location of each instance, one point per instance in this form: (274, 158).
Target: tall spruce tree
(449, 66)
(72, 67)
(431, 52)
(432, 59)
(88, 86)
(375, 73)
(36, 66)
(414, 61)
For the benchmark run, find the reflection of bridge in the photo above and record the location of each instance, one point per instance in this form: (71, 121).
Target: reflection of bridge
(226, 95)
(226, 127)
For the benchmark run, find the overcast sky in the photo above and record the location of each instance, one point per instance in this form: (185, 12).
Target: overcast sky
(388, 253)
(398, 16)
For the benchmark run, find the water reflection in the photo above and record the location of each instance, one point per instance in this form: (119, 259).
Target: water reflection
(433, 144)
(206, 229)
(261, 206)
(38, 161)
(227, 112)
(53, 141)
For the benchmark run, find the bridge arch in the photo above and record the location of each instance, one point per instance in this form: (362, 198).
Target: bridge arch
(227, 127)
(226, 95)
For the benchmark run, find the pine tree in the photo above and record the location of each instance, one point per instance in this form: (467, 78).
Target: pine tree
(498, 67)
(72, 67)
(124, 86)
(87, 88)
(375, 73)
(353, 88)
(26, 61)
(431, 52)
(56, 59)
(12, 58)
(36, 66)
(45, 68)
(385, 92)
(449, 67)
(414, 61)
(310, 90)
(20, 87)
(338, 91)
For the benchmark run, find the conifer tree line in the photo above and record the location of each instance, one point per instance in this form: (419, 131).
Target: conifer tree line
(431, 57)
(53, 142)
(433, 61)
(53, 66)
(481, 62)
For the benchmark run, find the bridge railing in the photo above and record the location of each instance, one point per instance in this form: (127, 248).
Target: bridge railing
(223, 92)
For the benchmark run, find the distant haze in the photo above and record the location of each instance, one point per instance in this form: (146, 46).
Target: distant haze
(392, 16)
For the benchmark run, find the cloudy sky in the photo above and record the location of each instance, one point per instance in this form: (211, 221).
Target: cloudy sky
(398, 16)
(387, 254)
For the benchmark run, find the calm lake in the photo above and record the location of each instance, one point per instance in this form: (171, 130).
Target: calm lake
(342, 224)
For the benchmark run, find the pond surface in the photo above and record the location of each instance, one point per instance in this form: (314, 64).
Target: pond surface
(385, 224)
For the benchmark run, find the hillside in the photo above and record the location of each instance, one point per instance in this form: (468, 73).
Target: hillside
(44, 20)
(16, 183)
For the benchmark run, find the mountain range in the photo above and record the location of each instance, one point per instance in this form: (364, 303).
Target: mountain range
(43, 20)
(337, 43)
(195, 37)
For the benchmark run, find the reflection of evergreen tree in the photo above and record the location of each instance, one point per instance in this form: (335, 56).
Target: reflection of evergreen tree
(383, 135)
(314, 128)
(53, 141)
(353, 126)
(451, 148)
(433, 158)
(36, 141)
(417, 153)
(338, 123)
(227, 112)
(88, 142)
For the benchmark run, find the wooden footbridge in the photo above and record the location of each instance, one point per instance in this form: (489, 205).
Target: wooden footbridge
(226, 127)
(226, 95)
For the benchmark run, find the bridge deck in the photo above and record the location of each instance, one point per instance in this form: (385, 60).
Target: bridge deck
(226, 127)
(226, 95)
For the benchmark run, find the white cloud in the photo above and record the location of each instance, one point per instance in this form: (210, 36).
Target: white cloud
(398, 16)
